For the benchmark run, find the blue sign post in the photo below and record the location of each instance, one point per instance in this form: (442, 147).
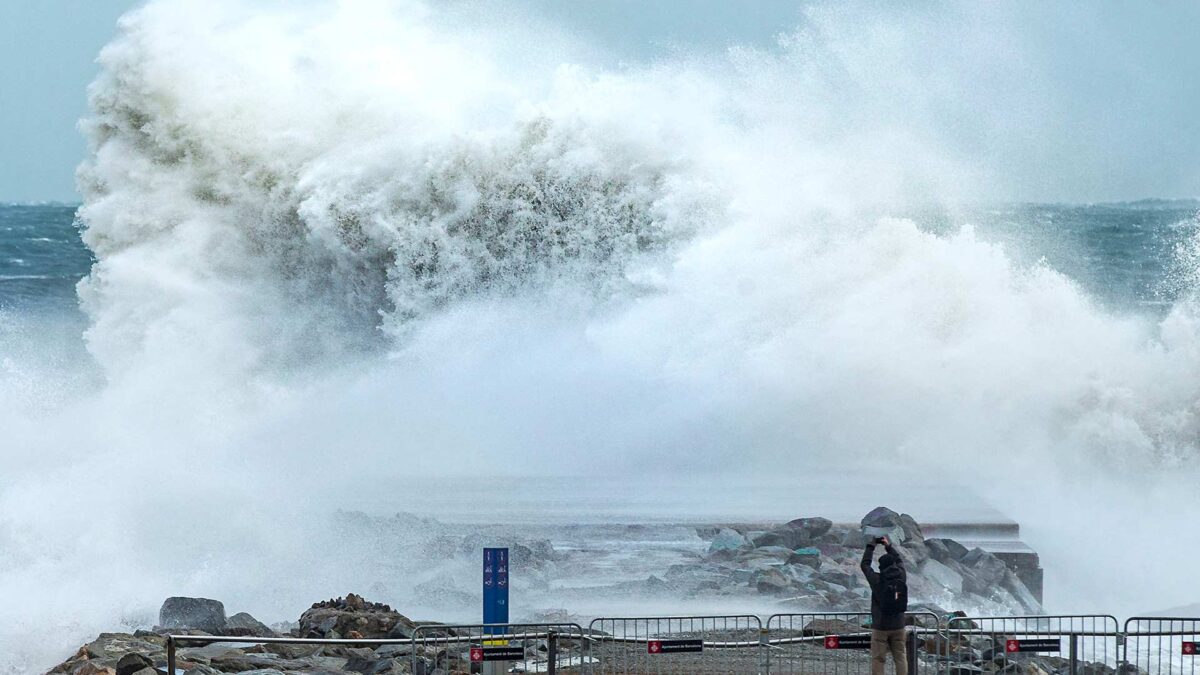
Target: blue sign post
(495, 587)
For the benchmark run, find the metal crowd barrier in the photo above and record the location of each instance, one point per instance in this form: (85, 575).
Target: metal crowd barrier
(677, 645)
(1168, 645)
(833, 643)
(519, 648)
(840, 642)
(1071, 644)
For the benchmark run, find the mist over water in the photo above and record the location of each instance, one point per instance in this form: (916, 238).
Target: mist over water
(343, 247)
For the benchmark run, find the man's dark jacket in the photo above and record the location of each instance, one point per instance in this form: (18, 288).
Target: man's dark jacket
(879, 620)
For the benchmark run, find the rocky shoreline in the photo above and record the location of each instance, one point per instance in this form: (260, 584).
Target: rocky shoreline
(807, 564)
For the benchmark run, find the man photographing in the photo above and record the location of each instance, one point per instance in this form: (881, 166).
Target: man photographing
(889, 602)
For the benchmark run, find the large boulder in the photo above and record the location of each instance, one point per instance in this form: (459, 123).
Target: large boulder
(942, 575)
(814, 527)
(912, 530)
(884, 522)
(132, 663)
(351, 617)
(1014, 585)
(244, 624)
(727, 540)
(111, 652)
(945, 550)
(195, 613)
(984, 566)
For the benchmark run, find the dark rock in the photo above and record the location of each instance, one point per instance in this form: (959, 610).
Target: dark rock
(199, 613)
(115, 645)
(770, 581)
(938, 550)
(1028, 602)
(339, 618)
(780, 553)
(287, 651)
(947, 548)
(788, 538)
(244, 624)
(912, 531)
(132, 663)
(235, 661)
(199, 669)
(943, 575)
(82, 668)
(881, 516)
(727, 540)
(368, 665)
(884, 522)
(805, 556)
(914, 553)
(994, 655)
(401, 631)
(984, 566)
(814, 527)
(394, 651)
(839, 578)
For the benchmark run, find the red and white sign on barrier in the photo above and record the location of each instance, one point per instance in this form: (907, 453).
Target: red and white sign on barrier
(674, 646)
(1033, 645)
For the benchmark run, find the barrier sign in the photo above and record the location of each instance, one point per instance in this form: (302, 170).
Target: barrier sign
(847, 642)
(1038, 645)
(674, 646)
(1191, 649)
(481, 654)
(495, 587)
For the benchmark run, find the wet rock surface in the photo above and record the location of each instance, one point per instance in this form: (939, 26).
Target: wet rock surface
(811, 564)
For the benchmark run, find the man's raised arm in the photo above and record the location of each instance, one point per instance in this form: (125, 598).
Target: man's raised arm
(865, 565)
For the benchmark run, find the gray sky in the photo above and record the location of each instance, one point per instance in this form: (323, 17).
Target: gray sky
(47, 57)
(1110, 109)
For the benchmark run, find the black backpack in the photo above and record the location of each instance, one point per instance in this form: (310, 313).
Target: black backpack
(893, 592)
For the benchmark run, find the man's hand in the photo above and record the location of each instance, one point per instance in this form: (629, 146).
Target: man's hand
(884, 541)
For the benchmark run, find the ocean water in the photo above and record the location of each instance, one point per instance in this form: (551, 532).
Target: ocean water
(41, 258)
(1132, 257)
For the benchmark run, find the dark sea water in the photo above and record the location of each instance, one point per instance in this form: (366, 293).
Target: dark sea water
(41, 257)
(1125, 255)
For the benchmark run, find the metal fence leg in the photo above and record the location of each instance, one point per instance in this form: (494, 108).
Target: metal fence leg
(911, 649)
(764, 651)
(170, 656)
(1073, 655)
(1122, 652)
(551, 653)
